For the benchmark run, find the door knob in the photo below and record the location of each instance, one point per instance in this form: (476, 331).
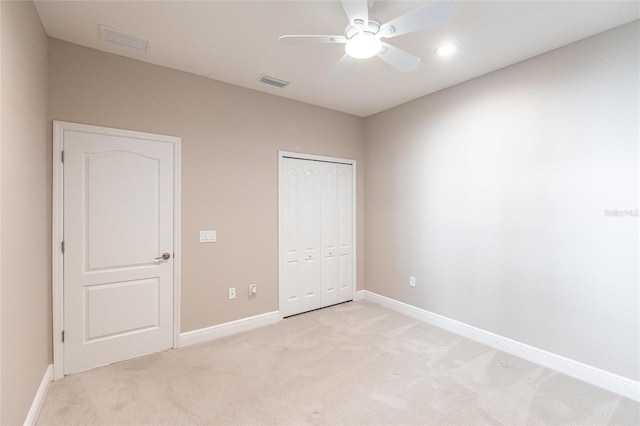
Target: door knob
(165, 256)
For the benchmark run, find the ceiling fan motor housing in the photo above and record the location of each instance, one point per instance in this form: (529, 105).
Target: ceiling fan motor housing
(372, 26)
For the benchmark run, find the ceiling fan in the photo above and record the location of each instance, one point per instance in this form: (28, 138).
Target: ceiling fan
(363, 36)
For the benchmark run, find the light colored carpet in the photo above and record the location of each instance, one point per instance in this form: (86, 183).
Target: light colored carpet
(356, 363)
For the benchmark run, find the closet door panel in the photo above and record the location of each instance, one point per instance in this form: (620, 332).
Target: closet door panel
(293, 253)
(329, 231)
(310, 232)
(344, 210)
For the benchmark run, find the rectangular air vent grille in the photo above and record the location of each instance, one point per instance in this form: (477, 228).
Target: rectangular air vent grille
(115, 36)
(267, 79)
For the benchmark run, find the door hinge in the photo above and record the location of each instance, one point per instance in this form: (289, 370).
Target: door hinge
(62, 336)
(62, 156)
(62, 244)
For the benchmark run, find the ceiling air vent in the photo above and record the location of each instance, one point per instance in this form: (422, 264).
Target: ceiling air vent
(115, 36)
(267, 79)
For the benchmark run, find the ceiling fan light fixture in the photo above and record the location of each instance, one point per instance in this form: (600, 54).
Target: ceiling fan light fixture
(447, 49)
(363, 45)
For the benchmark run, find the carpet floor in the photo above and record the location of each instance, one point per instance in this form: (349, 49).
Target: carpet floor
(355, 363)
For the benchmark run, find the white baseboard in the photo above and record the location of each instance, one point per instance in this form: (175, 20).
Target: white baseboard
(32, 416)
(360, 294)
(228, 328)
(595, 376)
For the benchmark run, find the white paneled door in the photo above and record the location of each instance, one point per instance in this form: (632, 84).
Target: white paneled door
(118, 247)
(316, 234)
(344, 239)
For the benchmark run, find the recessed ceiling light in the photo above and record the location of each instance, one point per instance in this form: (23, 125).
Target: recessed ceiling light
(447, 49)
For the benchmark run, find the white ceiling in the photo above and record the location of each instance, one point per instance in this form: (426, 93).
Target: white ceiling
(237, 41)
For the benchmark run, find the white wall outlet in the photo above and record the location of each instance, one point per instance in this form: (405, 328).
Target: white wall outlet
(207, 236)
(253, 289)
(232, 293)
(412, 281)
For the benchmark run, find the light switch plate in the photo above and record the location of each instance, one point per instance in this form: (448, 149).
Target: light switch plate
(207, 236)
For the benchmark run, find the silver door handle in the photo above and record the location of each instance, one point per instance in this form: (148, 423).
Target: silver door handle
(165, 256)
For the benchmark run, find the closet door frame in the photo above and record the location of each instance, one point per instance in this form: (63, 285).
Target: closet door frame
(282, 155)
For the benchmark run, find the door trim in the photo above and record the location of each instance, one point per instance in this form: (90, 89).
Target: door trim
(299, 156)
(57, 229)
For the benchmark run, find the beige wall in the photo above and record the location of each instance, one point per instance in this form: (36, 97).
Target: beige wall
(230, 141)
(25, 222)
(493, 194)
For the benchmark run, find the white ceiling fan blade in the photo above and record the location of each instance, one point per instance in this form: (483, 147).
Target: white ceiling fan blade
(418, 19)
(312, 39)
(398, 58)
(356, 9)
(341, 68)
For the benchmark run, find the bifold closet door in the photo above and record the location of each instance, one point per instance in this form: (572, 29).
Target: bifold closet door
(345, 223)
(302, 205)
(329, 235)
(317, 238)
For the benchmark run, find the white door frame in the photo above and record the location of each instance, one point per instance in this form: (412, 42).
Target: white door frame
(57, 258)
(287, 154)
